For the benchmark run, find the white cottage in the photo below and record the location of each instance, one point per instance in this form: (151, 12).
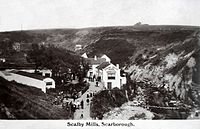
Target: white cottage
(29, 79)
(2, 59)
(109, 75)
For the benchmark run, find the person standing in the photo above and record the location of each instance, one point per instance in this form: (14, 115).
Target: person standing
(94, 78)
(81, 116)
(87, 101)
(90, 94)
(82, 104)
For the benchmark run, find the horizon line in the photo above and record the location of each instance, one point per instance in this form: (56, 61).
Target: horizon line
(101, 26)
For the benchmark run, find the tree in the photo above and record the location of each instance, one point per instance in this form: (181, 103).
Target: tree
(56, 59)
(34, 55)
(5, 46)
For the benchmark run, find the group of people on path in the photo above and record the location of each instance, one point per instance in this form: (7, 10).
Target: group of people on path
(89, 95)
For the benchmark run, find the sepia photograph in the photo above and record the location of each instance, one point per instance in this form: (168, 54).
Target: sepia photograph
(88, 62)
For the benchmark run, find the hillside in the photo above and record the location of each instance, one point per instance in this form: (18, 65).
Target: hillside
(113, 41)
(22, 102)
(161, 62)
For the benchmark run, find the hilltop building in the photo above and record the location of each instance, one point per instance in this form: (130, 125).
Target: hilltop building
(78, 47)
(16, 46)
(29, 79)
(105, 72)
(2, 60)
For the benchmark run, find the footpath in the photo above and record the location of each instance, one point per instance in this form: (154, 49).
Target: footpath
(84, 114)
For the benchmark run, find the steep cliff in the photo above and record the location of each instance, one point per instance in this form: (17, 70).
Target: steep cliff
(170, 67)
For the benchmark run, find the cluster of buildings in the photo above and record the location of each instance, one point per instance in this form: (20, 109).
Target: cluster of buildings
(105, 72)
(100, 68)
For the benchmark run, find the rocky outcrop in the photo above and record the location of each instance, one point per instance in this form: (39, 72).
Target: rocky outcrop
(128, 112)
(170, 67)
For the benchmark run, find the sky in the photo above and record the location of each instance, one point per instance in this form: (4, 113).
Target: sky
(45, 14)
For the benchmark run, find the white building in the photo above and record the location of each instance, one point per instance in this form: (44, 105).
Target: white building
(3, 60)
(78, 47)
(29, 79)
(84, 55)
(105, 71)
(109, 75)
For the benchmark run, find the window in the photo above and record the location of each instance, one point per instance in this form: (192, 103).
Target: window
(39, 73)
(109, 85)
(111, 75)
(90, 74)
(47, 75)
(48, 83)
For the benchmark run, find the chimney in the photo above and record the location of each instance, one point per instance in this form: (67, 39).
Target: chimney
(117, 65)
(95, 57)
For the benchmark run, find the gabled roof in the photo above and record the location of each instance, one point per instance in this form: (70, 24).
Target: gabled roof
(103, 65)
(84, 55)
(106, 57)
(92, 61)
(6, 73)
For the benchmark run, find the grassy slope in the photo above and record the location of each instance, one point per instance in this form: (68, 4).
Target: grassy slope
(67, 38)
(22, 102)
(122, 45)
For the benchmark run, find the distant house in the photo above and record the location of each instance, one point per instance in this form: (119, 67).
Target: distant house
(104, 71)
(16, 46)
(2, 60)
(78, 47)
(29, 79)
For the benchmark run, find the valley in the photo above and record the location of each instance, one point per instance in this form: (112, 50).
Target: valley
(161, 64)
